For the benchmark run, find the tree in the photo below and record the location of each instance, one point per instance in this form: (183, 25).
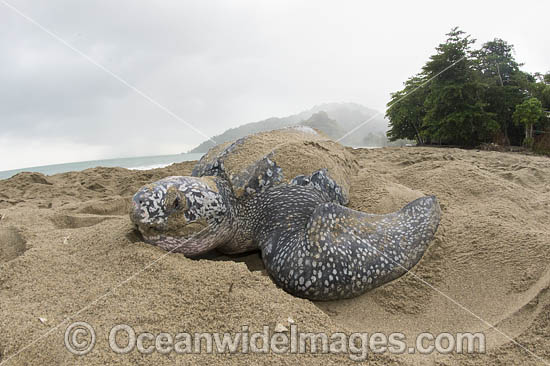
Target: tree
(543, 78)
(455, 107)
(541, 91)
(495, 60)
(465, 97)
(496, 63)
(528, 113)
(406, 111)
(538, 87)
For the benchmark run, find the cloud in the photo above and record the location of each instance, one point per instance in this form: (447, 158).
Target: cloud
(216, 64)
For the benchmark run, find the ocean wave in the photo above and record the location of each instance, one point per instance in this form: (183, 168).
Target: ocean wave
(147, 167)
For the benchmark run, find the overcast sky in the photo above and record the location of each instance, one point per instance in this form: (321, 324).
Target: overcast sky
(217, 64)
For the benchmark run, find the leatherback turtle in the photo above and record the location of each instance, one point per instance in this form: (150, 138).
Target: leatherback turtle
(284, 192)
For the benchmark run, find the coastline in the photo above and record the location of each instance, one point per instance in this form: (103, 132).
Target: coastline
(138, 163)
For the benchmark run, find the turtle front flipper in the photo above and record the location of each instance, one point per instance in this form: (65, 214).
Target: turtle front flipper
(256, 178)
(340, 253)
(322, 181)
(212, 163)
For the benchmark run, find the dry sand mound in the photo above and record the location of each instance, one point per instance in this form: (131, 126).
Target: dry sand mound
(67, 249)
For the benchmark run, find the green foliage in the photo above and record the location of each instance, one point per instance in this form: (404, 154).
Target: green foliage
(495, 61)
(506, 85)
(406, 114)
(527, 114)
(541, 91)
(455, 109)
(447, 105)
(466, 97)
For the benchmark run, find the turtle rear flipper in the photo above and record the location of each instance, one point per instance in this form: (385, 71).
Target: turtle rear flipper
(341, 253)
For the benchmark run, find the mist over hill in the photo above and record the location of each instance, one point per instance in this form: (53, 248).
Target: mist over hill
(334, 119)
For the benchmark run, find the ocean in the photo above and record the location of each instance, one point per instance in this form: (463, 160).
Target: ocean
(138, 163)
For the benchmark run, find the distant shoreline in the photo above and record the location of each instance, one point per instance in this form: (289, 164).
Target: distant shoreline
(134, 163)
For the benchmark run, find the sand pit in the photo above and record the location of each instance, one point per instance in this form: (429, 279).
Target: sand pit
(69, 253)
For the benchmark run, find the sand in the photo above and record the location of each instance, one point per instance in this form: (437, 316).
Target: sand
(69, 253)
(298, 151)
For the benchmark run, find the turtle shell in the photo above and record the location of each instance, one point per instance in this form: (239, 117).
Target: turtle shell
(255, 162)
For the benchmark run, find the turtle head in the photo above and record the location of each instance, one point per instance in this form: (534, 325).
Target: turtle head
(189, 215)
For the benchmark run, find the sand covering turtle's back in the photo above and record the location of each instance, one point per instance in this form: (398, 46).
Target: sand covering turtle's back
(296, 150)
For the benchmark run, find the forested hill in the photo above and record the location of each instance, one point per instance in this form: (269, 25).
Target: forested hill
(334, 119)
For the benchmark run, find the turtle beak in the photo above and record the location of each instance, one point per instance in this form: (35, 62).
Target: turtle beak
(135, 211)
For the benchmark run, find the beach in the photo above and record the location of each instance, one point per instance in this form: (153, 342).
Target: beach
(137, 163)
(69, 253)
